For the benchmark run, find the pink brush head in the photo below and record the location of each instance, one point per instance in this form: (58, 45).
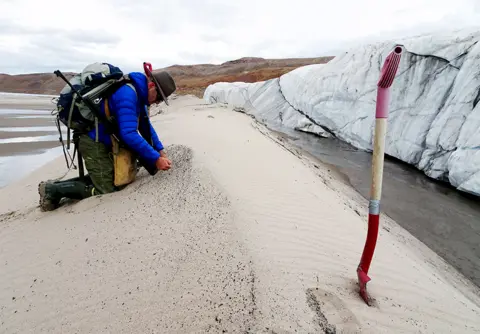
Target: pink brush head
(390, 67)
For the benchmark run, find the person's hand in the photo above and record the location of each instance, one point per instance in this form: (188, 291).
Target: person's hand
(163, 163)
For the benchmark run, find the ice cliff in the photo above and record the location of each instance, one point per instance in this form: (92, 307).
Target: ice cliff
(434, 121)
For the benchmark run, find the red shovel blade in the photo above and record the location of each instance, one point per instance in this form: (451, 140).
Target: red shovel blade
(363, 279)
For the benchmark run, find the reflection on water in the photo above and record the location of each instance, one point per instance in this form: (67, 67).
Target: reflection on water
(444, 219)
(22, 151)
(13, 168)
(29, 139)
(9, 112)
(28, 129)
(49, 117)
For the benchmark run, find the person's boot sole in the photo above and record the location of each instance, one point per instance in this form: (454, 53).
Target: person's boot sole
(45, 204)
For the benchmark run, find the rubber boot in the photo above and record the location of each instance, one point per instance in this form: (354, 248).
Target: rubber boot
(51, 193)
(86, 179)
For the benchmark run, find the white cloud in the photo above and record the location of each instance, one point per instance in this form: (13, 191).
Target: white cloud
(37, 36)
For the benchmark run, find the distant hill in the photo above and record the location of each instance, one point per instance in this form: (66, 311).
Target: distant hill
(193, 79)
(35, 83)
(190, 79)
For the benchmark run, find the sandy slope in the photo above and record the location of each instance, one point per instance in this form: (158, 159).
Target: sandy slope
(244, 234)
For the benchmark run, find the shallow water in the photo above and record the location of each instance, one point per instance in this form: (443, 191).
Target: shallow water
(29, 129)
(28, 139)
(34, 113)
(444, 219)
(13, 168)
(33, 116)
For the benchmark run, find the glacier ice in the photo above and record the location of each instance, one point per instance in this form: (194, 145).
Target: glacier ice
(434, 120)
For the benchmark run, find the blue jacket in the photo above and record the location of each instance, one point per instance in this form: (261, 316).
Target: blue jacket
(126, 105)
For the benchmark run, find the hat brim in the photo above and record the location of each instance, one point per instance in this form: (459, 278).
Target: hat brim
(158, 87)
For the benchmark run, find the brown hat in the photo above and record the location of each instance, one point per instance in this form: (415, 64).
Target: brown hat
(165, 84)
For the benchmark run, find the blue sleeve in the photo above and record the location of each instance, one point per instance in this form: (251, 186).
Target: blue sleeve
(124, 102)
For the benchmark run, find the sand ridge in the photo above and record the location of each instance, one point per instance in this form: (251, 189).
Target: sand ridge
(120, 263)
(244, 234)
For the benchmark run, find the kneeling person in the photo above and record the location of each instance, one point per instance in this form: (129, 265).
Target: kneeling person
(128, 106)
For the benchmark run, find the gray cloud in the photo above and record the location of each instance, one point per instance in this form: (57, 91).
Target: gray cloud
(85, 37)
(196, 57)
(51, 48)
(9, 27)
(46, 53)
(80, 36)
(205, 31)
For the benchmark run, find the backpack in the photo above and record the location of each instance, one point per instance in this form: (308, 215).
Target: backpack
(94, 83)
(78, 104)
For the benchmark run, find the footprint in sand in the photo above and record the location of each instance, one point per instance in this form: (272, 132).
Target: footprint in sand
(332, 315)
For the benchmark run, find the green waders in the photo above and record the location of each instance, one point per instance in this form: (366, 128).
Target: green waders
(99, 164)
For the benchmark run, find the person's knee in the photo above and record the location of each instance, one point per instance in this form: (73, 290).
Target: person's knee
(103, 188)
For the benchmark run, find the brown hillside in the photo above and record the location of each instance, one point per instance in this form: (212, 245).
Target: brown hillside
(35, 83)
(190, 79)
(194, 79)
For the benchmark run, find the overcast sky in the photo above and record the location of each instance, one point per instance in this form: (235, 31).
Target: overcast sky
(44, 35)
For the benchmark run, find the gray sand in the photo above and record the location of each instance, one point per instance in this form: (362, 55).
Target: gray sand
(244, 234)
(153, 258)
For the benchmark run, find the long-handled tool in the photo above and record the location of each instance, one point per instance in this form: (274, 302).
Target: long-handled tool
(387, 76)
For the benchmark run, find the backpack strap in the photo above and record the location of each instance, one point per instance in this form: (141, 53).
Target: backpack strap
(125, 79)
(133, 87)
(108, 115)
(107, 109)
(69, 120)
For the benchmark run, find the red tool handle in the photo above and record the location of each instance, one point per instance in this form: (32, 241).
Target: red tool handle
(387, 75)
